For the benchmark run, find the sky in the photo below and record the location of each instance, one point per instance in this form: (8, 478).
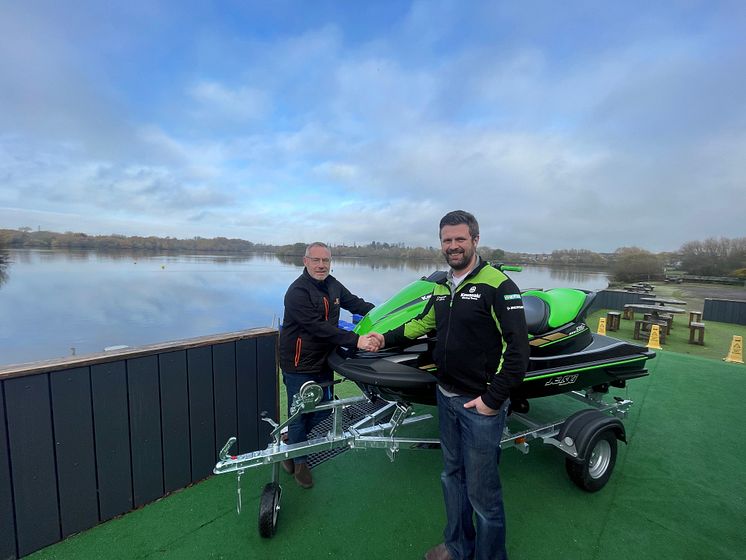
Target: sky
(589, 125)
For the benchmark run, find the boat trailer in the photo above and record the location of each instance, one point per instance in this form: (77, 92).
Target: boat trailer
(588, 438)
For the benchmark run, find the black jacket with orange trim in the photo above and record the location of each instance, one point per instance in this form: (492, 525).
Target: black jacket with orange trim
(310, 325)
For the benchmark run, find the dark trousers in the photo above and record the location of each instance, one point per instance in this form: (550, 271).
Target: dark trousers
(298, 429)
(471, 480)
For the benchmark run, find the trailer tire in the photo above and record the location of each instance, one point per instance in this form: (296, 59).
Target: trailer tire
(593, 472)
(269, 508)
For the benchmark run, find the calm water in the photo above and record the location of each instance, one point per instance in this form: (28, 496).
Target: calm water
(54, 301)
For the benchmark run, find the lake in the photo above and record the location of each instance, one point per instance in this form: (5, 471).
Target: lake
(55, 302)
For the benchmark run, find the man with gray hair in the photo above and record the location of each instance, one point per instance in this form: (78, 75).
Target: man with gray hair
(310, 332)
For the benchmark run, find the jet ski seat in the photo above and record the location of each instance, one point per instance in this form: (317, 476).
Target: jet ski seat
(537, 314)
(548, 310)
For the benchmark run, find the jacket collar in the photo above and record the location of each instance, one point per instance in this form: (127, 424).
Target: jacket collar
(479, 266)
(320, 283)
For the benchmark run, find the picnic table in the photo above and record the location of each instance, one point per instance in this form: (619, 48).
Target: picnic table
(654, 310)
(644, 288)
(659, 314)
(661, 300)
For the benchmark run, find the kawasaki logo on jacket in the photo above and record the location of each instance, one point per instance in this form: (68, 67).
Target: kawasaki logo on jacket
(482, 347)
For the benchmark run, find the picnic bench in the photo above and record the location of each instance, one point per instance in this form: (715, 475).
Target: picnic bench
(642, 326)
(657, 311)
(697, 331)
(613, 320)
(667, 317)
(663, 300)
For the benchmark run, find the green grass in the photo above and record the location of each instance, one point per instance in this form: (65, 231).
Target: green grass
(718, 336)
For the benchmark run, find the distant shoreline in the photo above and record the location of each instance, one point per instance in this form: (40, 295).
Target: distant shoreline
(436, 258)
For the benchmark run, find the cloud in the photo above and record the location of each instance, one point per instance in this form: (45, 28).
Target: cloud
(243, 103)
(557, 130)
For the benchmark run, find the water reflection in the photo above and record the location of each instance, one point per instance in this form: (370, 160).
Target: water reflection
(373, 263)
(569, 276)
(57, 300)
(290, 259)
(4, 266)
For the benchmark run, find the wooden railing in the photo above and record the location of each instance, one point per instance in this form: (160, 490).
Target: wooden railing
(86, 438)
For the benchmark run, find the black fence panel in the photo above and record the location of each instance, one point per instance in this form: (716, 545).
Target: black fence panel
(76, 461)
(247, 389)
(34, 476)
(224, 383)
(87, 438)
(725, 311)
(7, 519)
(266, 388)
(145, 429)
(201, 412)
(112, 434)
(177, 467)
(615, 299)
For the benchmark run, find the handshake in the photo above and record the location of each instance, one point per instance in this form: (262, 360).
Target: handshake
(371, 342)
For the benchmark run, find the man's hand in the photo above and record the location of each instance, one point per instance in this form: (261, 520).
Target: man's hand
(371, 342)
(380, 341)
(482, 408)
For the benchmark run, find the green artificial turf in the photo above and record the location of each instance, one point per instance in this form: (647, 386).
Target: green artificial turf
(678, 492)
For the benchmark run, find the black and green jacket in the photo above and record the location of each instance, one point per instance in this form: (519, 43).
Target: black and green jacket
(482, 346)
(310, 328)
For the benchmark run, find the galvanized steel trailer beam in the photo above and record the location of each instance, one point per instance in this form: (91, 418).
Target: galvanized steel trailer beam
(370, 433)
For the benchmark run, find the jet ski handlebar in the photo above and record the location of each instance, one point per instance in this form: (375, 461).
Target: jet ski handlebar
(507, 267)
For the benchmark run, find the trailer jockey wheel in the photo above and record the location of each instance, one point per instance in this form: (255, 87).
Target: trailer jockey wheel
(593, 472)
(269, 507)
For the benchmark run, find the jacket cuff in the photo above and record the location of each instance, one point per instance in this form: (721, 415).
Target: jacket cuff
(491, 401)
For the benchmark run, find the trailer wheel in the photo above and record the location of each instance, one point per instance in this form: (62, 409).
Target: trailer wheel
(593, 472)
(269, 507)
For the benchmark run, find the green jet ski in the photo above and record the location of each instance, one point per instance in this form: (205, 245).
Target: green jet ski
(565, 354)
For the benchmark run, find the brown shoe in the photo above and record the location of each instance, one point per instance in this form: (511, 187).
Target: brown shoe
(303, 475)
(439, 552)
(289, 466)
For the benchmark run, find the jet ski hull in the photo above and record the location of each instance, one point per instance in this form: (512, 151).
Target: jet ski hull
(407, 376)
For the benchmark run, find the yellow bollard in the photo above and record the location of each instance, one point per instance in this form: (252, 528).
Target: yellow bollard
(736, 350)
(601, 326)
(654, 342)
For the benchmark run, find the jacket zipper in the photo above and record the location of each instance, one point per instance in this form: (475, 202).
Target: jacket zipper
(450, 310)
(298, 345)
(448, 327)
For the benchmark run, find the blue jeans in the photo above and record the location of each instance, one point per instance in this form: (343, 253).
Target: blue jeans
(471, 481)
(298, 429)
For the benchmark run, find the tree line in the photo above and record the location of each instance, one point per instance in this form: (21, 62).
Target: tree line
(715, 257)
(711, 257)
(25, 237)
